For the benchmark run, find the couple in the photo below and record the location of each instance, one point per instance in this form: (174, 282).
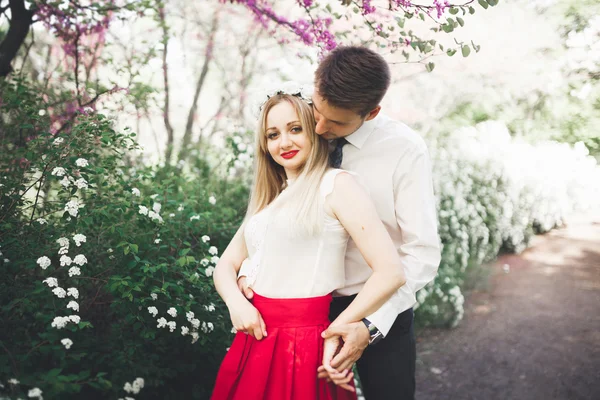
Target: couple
(318, 246)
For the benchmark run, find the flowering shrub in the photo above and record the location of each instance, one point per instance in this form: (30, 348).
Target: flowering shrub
(494, 192)
(106, 267)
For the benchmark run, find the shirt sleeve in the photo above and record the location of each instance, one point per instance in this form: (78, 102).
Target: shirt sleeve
(415, 209)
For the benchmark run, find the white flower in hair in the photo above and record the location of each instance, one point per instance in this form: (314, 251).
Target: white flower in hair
(304, 91)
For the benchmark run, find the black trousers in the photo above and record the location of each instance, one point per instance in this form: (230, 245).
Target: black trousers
(386, 369)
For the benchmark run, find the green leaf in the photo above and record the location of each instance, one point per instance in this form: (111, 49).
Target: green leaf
(461, 21)
(430, 66)
(492, 2)
(471, 10)
(447, 28)
(454, 11)
(483, 4)
(450, 52)
(183, 252)
(466, 50)
(134, 248)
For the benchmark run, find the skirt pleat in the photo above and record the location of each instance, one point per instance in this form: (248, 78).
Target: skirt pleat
(282, 366)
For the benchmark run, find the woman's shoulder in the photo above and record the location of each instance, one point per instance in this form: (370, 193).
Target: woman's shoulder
(338, 180)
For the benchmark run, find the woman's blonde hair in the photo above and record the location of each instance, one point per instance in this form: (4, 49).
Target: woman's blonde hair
(302, 199)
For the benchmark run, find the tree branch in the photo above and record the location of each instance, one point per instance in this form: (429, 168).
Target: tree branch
(165, 67)
(208, 57)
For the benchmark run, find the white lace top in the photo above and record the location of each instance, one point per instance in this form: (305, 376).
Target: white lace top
(282, 264)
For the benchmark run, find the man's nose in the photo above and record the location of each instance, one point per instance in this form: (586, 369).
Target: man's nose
(321, 127)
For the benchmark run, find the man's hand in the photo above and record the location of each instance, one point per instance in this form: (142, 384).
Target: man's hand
(242, 284)
(342, 379)
(356, 339)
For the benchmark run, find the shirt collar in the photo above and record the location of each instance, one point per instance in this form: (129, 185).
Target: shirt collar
(360, 136)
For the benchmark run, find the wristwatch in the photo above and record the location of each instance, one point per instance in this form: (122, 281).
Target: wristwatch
(375, 333)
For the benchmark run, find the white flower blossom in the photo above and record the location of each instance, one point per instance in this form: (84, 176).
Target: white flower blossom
(35, 392)
(81, 162)
(189, 315)
(205, 262)
(44, 262)
(207, 327)
(58, 171)
(127, 387)
(194, 217)
(59, 292)
(63, 242)
(63, 250)
(180, 208)
(75, 318)
(213, 250)
(81, 183)
(154, 216)
(80, 260)
(65, 260)
(51, 282)
(58, 141)
(205, 238)
(162, 322)
(210, 307)
(67, 343)
(157, 241)
(172, 325)
(41, 221)
(60, 322)
(74, 271)
(156, 207)
(153, 310)
(172, 312)
(155, 195)
(214, 260)
(209, 271)
(73, 206)
(136, 192)
(143, 210)
(73, 305)
(13, 381)
(73, 292)
(66, 182)
(195, 337)
(185, 330)
(212, 200)
(195, 323)
(78, 239)
(41, 113)
(154, 296)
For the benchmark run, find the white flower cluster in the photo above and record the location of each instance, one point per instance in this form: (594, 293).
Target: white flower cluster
(496, 191)
(133, 387)
(152, 214)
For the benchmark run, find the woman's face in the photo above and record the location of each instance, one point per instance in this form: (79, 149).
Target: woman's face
(287, 142)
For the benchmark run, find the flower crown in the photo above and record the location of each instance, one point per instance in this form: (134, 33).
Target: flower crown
(303, 92)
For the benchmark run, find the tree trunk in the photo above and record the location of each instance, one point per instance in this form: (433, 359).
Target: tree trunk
(17, 32)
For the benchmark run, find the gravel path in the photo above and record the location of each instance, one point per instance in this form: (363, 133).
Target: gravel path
(533, 334)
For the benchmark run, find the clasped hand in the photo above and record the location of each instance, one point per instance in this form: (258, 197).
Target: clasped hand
(343, 346)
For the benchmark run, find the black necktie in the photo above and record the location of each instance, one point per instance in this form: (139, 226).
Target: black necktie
(335, 158)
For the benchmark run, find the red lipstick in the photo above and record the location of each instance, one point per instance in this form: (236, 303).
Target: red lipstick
(289, 154)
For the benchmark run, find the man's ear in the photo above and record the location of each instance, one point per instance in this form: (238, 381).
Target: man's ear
(373, 113)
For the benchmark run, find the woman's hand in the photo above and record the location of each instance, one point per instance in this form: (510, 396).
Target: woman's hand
(246, 318)
(342, 379)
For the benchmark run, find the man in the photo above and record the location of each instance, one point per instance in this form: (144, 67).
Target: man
(393, 162)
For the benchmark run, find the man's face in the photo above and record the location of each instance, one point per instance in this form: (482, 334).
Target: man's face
(334, 122)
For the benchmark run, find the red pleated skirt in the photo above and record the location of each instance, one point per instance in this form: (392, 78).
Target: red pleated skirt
(282, 366)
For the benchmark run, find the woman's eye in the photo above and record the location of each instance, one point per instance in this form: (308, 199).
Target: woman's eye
(272, 135)
(297, 129)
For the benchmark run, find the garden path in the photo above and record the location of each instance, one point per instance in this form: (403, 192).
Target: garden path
(533, 334)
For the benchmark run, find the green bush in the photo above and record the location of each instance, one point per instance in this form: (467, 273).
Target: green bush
(158, 243)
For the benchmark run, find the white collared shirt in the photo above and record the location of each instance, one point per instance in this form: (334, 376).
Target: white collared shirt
(393, 163)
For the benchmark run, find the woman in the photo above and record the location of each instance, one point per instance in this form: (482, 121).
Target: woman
(300, 216)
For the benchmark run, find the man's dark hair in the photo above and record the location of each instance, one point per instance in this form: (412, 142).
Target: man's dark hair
(353, 78)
